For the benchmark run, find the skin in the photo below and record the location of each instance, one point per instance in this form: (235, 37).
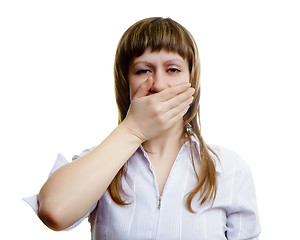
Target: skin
(159, 99)
(167, 69)
(164, 69)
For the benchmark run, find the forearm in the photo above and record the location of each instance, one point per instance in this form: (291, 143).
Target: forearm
(72, 190)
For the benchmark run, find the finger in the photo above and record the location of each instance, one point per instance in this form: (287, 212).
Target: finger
(171, 92)
(178, 117)
(179, 111)
(179, 99)
(144, 88)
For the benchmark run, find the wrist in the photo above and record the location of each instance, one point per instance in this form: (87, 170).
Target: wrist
(130, 131)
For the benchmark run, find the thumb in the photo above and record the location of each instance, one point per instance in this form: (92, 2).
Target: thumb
(144, 88)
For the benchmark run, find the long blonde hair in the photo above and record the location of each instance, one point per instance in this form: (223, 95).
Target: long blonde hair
(164, 33)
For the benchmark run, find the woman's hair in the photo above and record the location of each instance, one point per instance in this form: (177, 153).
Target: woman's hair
(157, 34)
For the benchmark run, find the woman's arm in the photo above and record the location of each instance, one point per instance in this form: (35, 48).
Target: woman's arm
(74, 189)
(71, 191)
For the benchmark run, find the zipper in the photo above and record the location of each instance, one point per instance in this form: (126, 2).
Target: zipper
(159, 201)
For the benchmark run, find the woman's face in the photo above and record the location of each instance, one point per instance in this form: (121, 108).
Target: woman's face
(166, 68)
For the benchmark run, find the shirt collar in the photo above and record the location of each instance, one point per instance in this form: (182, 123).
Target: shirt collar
(195, 141)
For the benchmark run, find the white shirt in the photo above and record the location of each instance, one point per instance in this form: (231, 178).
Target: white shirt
(150, 216)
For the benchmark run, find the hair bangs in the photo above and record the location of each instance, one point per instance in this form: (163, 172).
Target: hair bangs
(158, 34)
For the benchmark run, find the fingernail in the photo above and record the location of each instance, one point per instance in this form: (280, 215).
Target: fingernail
(192, 90)
(191, 100)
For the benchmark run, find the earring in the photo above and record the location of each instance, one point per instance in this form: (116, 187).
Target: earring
(189, 129)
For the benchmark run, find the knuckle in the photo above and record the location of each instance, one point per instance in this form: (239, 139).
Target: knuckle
(158, 110)
(150, 101)
(161, 121)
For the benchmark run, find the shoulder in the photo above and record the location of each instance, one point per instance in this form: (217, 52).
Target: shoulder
(229, 161)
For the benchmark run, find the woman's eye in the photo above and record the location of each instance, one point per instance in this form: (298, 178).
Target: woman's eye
(143, 71)
(173, 70)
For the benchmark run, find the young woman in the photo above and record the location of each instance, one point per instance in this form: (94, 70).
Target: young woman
(154, 177)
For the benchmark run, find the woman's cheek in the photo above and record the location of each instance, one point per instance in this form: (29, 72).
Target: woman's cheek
(181, 79)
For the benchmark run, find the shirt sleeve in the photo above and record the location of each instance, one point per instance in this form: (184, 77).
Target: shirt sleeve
(60, 162)
(243, 219)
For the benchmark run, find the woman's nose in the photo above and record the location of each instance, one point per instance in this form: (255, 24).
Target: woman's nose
(159, 82)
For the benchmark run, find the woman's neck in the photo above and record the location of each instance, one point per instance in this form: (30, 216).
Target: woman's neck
(172, 140)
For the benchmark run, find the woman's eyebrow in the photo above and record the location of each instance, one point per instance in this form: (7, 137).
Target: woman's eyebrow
(140, 62)
(169, 61)
(174, 61)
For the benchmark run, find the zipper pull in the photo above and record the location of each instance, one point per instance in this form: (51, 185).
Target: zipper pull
(159, 202)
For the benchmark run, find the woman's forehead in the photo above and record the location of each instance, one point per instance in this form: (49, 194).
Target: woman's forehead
(163, 54)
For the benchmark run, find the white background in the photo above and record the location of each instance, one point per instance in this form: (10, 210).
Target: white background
(56, 94)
